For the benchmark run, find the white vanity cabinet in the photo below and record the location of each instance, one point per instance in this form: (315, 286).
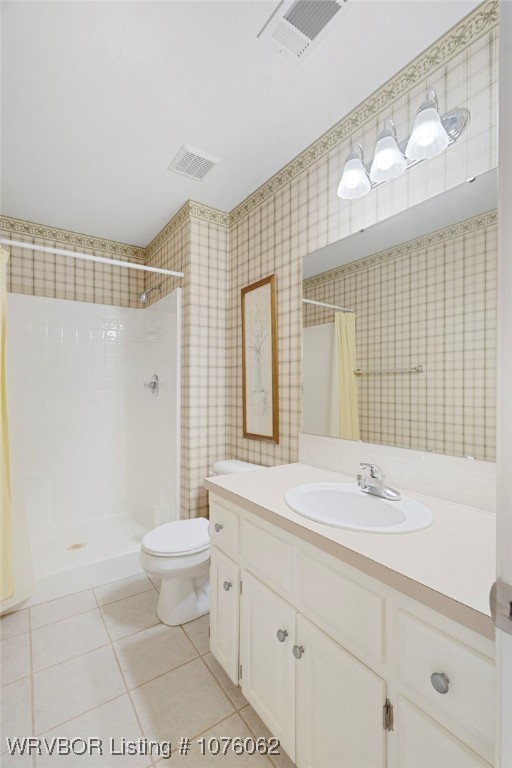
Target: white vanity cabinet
(339, 665)
(225, 611)
(423, 743)
(267, 632)
(339, 705)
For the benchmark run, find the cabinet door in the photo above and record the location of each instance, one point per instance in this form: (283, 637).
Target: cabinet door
(339, 706)
(225, 612)
(268, 664)
(422, 743)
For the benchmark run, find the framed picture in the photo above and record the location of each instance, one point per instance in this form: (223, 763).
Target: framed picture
(259, 360)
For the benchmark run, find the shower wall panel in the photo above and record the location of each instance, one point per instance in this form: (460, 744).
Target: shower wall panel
(89, 441)
(66, 365)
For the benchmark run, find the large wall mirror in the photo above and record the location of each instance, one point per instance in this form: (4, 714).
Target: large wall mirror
(405, 352)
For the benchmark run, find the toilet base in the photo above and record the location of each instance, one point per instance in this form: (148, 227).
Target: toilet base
(183, 600)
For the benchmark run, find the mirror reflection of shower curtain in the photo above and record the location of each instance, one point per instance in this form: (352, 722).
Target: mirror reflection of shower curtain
(344, 413)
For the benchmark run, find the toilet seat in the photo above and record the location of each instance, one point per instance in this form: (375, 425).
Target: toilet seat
(181, 537)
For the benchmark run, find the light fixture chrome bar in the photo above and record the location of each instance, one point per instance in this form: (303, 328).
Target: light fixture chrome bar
(431, 135)
(323, 304)
(378, 371)
(454, 122)
(90, 257)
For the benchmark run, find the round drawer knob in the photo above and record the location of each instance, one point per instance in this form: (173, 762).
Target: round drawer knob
(298, 650)
(218, 527)
(227, 585)
(440, 682)
(282, 634)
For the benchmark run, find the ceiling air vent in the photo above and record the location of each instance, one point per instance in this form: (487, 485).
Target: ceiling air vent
(193, 163)
(294, 26)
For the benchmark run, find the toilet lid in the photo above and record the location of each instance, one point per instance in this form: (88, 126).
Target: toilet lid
(182, 537)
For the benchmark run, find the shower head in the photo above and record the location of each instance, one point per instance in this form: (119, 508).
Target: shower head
(144, 296)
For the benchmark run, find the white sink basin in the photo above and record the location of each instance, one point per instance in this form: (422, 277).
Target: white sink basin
(344, 505)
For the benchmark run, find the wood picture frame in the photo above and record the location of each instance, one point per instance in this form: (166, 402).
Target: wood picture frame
(259, 360)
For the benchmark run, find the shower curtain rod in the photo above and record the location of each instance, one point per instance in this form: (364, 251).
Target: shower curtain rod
(89, 257)
(323, 304)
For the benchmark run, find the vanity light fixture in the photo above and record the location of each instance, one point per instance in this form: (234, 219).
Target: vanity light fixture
(428, 137)
(431, 135)
(388, 162)
(354, 182)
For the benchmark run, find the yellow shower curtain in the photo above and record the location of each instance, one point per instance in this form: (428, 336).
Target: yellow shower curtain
(345, 394)
(6, 578)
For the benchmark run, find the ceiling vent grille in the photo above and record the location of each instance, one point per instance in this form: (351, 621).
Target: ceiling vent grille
(294, 26)
(193, 163)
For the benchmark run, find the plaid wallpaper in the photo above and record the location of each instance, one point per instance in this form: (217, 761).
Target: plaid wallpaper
(59, 277)
(297, 211)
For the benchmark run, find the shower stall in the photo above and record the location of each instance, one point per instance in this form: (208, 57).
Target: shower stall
(94, 414)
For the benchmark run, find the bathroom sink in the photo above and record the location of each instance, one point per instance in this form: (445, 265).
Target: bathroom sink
(344, 505)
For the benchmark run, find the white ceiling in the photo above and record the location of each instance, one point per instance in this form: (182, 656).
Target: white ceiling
(97, 98)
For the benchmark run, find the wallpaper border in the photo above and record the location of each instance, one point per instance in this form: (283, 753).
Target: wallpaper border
(24, 228)
(187, 210)
(66, 237)
(483, 19)
(480, 21)
(473, 224)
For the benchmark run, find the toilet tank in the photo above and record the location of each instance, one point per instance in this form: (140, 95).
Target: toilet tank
(231, 466)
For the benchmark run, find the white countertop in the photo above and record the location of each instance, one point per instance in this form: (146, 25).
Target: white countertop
(449, 566)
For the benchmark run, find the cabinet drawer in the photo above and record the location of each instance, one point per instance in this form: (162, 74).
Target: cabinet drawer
(224, 526)
(470, 699)
(348, 611)
(268, 556)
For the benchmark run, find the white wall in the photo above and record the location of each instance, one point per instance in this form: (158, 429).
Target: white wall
(79, 415)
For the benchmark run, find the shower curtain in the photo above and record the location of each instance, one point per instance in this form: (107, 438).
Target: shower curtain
(344, 403)
(6, 577)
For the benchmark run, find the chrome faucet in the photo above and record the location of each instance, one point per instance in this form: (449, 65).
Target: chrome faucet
(374, 483)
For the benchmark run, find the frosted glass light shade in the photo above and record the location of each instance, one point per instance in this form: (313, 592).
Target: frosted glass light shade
(428, 137)
(388, 162)
(354, 182)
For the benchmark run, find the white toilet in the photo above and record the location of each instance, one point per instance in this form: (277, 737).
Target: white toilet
(178, 553)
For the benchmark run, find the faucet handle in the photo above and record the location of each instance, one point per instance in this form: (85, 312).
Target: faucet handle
(375, 471)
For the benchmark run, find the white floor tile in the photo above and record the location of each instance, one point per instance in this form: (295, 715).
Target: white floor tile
(121, 589)
(131, 614)
(15, 712)
(62, 608)
(233, 728)
(112, 721)
(75, 686)
(233, 691)
(15, 658)
(184, 702)
(148, 654)
(16, 760)
(14, 624)
(198, 631)
(259, 729)
(65, 639)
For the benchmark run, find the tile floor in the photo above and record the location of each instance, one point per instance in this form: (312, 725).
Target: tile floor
(100, 664)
